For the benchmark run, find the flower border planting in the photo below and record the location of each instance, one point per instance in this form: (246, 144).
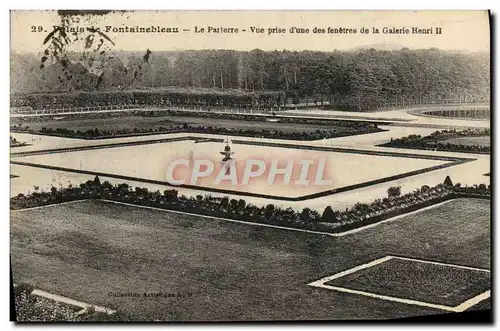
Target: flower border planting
(433, 141)
(330, 221)
(351, 128)
(34, 306)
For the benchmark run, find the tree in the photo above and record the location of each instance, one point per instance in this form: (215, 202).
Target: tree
(269, 210)
(224, 202)
(425, 188)
(447, 182)
(234, 203)
(394, 191)
(305, 214)
(170, 195)
(107, 185)
(241, 204)
(328, 215)
(123, 187)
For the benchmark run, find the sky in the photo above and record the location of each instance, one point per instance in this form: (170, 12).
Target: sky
(461, 30)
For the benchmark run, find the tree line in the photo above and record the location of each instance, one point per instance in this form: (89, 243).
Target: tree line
(354, 80)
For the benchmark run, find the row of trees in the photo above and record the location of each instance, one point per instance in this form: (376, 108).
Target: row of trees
(438, 140)
(354, 80)
(329, 220)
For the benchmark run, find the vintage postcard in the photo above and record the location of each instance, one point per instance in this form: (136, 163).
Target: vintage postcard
(187, 166)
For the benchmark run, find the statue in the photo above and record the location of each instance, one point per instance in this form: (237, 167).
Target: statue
(227, 152)
(227, 159)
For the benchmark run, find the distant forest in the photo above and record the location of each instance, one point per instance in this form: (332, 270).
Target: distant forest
(356, 80)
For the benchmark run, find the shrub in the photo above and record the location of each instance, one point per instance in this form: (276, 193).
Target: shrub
(328, 215)
(425, 188)
(23, 288)
(224, 202)
(239, 209)
(241, 204)
(447, 182)
(394, 191)
(269, 210)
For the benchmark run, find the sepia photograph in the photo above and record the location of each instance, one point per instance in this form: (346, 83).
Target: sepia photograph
(250, 166)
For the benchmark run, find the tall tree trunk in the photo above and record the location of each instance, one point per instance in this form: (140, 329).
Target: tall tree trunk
(286, 78)
(246, 81)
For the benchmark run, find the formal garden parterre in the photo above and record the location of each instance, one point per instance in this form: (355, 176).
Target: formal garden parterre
(187, 122)
(75, 249)
(126, 164)
(452, 140)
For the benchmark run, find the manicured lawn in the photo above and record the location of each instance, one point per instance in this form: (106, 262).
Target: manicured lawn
(409, 279)
(95, 250)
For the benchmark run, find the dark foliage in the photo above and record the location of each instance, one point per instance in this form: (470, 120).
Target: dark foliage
(359, 214)
(435, 141)
(360, 80)
(348, 128)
